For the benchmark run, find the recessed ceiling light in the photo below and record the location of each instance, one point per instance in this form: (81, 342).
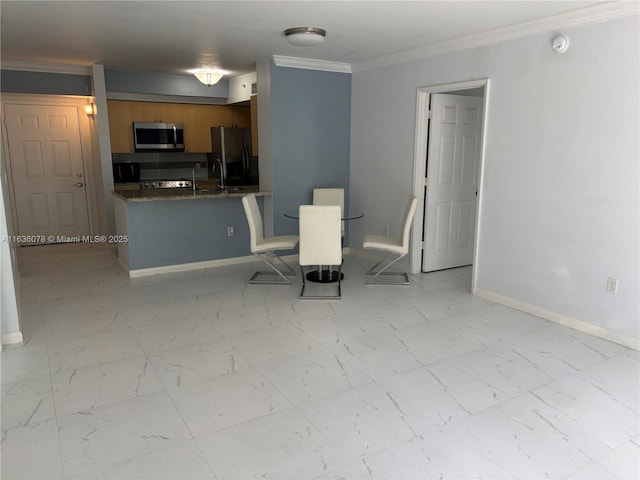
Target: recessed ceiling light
(305, 36)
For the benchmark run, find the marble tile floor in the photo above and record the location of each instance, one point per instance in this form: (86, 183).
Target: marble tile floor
(199, 375)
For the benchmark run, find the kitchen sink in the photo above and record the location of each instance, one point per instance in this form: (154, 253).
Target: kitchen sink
(237, 189)
(210, 191)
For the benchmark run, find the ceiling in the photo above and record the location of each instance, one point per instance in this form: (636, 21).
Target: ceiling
(174, 37)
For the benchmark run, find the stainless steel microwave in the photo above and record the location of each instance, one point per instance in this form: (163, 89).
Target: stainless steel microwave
(158, 136)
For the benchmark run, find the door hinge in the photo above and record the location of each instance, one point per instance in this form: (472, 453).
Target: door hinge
(429, 113)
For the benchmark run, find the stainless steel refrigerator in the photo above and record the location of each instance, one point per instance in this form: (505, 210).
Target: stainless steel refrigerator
(231, 149)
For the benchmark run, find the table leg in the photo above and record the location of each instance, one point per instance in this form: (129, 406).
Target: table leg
(324, 275)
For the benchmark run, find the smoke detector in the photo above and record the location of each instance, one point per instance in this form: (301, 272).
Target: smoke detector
(560, 44)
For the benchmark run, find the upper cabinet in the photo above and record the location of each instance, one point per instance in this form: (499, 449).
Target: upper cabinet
(220, 116)
(157, 112)
(123, 113)
(120, 126)
(197, 120)
(197, 130)
(241, 116)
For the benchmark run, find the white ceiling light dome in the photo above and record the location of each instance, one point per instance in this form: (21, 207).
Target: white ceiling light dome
(209, 76)
(305, 36)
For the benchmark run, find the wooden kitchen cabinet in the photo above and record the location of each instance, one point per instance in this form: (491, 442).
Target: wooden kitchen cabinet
(144, 112)
(120, 125)
(157, 112)
(197, 128)
(241, 116)
(198, 120)
(220, 116)
(170, 112)
(122, 114)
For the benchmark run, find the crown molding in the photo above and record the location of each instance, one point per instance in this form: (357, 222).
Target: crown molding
(585, 16)
(311, 64)
(45, 67)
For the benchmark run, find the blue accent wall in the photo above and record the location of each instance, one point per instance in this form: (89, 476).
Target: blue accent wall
(310, 138)
(14, 81)
(162, 84)
(172, 232)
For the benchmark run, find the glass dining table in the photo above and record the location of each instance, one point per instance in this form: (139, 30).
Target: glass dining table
(325, 275)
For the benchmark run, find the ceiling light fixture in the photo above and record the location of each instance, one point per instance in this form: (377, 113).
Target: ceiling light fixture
(305, 36)
(209, 76)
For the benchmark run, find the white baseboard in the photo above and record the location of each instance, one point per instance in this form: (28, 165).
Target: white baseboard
(11, 338)
(185, 267)
(561, 319)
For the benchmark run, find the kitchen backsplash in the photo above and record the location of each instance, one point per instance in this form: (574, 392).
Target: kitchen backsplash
(155, 165)
(158, 157)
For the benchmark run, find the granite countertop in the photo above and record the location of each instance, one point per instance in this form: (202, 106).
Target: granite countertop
(155, 194)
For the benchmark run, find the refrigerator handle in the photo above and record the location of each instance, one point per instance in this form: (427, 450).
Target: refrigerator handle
(245, 157)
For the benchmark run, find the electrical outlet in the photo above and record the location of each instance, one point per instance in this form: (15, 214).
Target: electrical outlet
(230, 232)
(386, 230)
(612, 285)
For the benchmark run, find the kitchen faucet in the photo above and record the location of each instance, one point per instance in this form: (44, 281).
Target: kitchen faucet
(193, 177)
(221, 184)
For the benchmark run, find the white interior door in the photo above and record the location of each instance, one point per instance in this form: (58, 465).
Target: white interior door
(452, 181)
(45, 155)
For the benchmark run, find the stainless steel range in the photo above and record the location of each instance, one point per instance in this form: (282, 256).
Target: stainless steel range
(166, 184)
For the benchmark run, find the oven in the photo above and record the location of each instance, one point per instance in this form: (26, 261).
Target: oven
(165, 184)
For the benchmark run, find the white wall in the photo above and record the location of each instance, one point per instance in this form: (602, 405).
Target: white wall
(561, 200)
(9, 322)
(104, 147)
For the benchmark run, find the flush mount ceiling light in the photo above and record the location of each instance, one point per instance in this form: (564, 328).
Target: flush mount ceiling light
(209, 76)
(305, 36)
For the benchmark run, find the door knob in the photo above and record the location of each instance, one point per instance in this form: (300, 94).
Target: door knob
(79, 184)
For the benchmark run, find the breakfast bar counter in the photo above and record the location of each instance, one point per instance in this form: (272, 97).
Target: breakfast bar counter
(178, 229)
(154, 194)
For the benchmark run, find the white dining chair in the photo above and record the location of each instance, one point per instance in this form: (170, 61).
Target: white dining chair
(395, 249)
(320, 245)
(330, 196)
(264, 248)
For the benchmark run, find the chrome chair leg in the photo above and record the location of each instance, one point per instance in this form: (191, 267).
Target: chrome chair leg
(321, 297)
(264, 256)
(304, 281)
(382, 271)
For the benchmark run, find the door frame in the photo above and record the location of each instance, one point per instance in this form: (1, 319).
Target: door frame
(419, 166)
(87, 144)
